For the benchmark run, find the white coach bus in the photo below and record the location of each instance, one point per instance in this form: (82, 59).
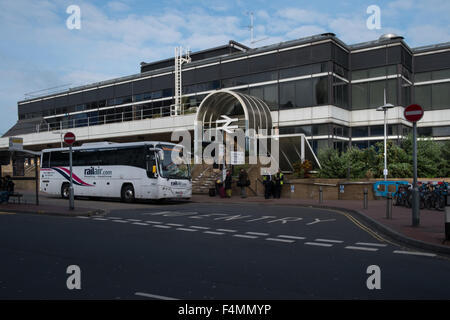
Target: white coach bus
(140, 170)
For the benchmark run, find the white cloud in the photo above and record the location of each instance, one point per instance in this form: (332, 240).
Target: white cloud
(305, 31)
(117, 6)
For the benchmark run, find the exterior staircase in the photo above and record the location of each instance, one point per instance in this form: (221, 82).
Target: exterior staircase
(205, 180)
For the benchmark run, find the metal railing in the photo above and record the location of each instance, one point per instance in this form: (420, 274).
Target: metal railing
(95, 120)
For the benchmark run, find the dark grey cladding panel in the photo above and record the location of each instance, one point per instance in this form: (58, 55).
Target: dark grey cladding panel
(368, 59)
(76, 99)
(321, 52)
(263, 63)
(207, 73)
(394, 55)
(163, 82)
(430, 62)
(189, 77)
(105, 93)
(30, 107)
(61, 101)
(234, 68)
(340, 56)
(122, 90)
(295, 57)
(406, 59)
(48, 104)
(90, 96)
(142, 86)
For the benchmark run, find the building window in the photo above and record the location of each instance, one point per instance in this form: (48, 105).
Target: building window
(271, 96)
(303, 93)
(358, 132)
(440, 97)
(359, 96)
(423, 96)
(340, 93)
(320, 86)
(441, 131)
(376, 93)
(287, 95)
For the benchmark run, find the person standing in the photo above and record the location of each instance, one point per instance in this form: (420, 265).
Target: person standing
(228, 182)
(279, 180)
(267, 181)
(243, 182)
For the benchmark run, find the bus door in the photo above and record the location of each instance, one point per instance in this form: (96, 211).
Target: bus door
(150, 185)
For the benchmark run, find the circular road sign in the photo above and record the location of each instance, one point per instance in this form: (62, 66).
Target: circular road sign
(69, 138)
(413, 113)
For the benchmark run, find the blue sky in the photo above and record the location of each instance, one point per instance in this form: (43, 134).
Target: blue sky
(38, 51)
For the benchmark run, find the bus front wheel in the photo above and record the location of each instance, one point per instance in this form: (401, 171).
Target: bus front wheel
(65, 190)
(127, 193)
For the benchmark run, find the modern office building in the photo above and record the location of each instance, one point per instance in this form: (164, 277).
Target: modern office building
(318, 86)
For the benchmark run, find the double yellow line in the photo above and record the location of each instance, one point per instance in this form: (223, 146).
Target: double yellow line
(361, 226)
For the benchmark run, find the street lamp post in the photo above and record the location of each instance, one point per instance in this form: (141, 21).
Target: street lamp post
(385, 107)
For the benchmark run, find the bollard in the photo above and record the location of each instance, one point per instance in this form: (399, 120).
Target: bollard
(366, 199)
(447, 223)
(389, 206)
(320, 195)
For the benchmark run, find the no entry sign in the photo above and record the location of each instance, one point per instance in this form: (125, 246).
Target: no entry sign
(413, 113)
(69, 138)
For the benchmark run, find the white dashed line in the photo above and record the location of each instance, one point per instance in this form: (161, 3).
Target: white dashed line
(100, 219)
(371, 244)
(257, 233)
(83, 217)
(244, 236)
(154, 296)
(140, 223)
(174, 224)
(113, 218)
(161, 226)
(328, 240)
(156, 213)
(280, 240)
(318, 244)
(291, 237)
(213, 232)
(197, 227)
(186, 229)
(226, 230)
(121, 221)
(361, 248)
(134, 220)
(154, 222)
(415, 253)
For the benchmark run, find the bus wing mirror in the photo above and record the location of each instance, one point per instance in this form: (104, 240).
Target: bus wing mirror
(161, 155)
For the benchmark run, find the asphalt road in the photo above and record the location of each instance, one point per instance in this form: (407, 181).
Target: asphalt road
(203, 251)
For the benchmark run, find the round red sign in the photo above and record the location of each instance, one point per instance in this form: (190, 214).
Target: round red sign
(69, 138)
(413, 113)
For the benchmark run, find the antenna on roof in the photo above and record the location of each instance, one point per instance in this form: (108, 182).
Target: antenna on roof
(251, 27)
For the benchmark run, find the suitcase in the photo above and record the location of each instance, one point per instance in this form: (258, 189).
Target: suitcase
(222, 192)
(212, 192)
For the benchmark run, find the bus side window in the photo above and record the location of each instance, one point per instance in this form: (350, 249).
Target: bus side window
(151, 165)
(46, 160)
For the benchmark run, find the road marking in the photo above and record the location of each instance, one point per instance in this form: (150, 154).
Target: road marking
(198, 227)
(361, 248)
(113, 218)
(174, 224)
(213, 232)
(161, 226)
(244, 236)
(318, 244)
(328, 240)
(156, 213)
(6, 213)
(81, 217)
(155, 222)
(134, 220)
(186, 229)
(140, 223)
(155, 296)
(291, 237)
(257, 233)
(226, 230)
(416, 253)
(371, 244)
(318, 220)
(280, 240)
(100, 219)
(121, 221)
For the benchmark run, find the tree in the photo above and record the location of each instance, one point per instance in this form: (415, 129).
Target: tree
(333, 165)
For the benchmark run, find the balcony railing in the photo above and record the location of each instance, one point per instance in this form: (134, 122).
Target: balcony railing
(135, 115)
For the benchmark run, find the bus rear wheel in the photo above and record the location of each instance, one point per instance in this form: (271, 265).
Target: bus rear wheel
(65, 190)
(127, 193)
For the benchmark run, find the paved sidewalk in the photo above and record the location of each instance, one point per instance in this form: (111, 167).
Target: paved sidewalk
(430, 231)
(46, 209)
